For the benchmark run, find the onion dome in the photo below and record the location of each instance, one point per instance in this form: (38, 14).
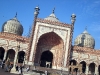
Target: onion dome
(85, 40)
(52, 17)
(13, 26)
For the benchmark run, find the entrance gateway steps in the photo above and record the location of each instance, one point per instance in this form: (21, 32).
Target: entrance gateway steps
(42, 71)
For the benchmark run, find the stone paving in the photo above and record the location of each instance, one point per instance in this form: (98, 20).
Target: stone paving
(2, 72)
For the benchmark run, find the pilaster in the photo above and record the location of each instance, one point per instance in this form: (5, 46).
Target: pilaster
(87, 69)
(5, 54)
(96, 70)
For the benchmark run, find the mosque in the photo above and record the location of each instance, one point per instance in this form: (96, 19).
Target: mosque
(49, 45)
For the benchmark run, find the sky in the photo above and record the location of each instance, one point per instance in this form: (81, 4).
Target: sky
(87, 14)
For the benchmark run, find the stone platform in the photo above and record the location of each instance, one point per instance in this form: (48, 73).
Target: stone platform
(2, 72)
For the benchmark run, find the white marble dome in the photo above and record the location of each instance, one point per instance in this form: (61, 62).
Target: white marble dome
(13, 26)
(85, 40)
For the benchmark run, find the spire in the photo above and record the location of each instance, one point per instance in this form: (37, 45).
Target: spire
(52, 16)
(85, 31)
(16, 15)
(53, 11)
(86, 28)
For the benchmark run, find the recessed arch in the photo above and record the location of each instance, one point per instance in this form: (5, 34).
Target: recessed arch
(73, 62)
(21, 55)
(52, 35)
(83, 66)
(52, 42)
(92, 68)
(10, 55)
(2, 51)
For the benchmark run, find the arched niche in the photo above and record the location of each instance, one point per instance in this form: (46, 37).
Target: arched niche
(21, 55)
(83, 66)
(10, 55)
(92, 68)
(73, 62)
(2, 51)
(51, 42)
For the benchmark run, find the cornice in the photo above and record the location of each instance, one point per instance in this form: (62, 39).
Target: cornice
(85, 50)
(15, 37)
(53, 23)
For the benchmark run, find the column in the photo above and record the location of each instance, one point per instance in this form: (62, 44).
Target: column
(96, 70)
(24, 60)
(13, 70)
(87, 69)
(5, 54)
(15, 59)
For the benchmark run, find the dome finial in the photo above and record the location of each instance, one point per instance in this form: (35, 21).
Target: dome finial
(16, 14)
(86, 28)
(53, 10)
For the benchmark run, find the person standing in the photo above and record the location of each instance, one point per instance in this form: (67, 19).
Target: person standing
(20, 70)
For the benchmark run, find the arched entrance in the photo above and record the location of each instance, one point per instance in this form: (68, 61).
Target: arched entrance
(83, 66)
(21, 55)
(2, 51)
(46, 59)
(10, 55)
(72, 64)
(92, 68)
(53, 43)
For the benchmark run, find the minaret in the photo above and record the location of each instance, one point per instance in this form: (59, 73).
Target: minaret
(73, 18)
(36, 12)
(33, 28)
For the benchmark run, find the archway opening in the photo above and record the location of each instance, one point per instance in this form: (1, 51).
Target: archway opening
(92, 68)
(10, 55)
(73, 62)
(83, 66)
(46, 59)
(2, 51)
(21, 55)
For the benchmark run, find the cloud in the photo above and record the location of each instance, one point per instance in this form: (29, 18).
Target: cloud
(90, 8)
(95, 26)
(97, 2)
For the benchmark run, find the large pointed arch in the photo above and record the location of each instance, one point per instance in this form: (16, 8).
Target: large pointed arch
(52, 42)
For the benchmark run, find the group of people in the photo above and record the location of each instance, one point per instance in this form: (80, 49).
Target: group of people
(7, 65)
